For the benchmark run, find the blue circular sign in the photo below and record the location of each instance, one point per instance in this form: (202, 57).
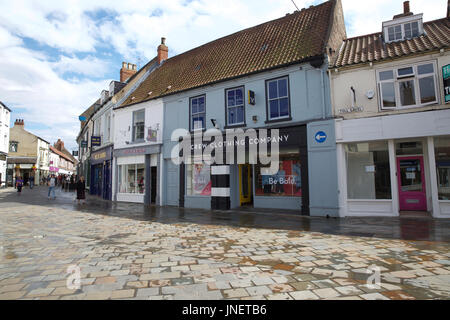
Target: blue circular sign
(320, 137)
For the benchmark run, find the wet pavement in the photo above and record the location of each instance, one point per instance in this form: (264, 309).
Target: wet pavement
(129, 251)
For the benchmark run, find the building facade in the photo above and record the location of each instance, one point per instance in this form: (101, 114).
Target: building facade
(218, 88)
(27, 154)
(5, 116)
(390, 93)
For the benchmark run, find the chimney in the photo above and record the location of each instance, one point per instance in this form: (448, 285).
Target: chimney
(163, 51)
(59, 145)
(406, 7)
(19, 122)
(128, 69)
(448, 9)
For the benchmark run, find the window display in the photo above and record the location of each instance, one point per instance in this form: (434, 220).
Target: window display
(198, 180)
(442, 155)
(131, 178)
(286, 182)
(368, 171)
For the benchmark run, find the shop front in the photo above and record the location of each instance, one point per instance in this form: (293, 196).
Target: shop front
(101, 174)
(136, 174)
(390, 169)
(21, 166)
(238, 183)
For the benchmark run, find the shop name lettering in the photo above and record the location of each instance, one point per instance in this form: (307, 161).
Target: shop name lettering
(134, 151)
(254, 141)
(209, 151)
(100, 156)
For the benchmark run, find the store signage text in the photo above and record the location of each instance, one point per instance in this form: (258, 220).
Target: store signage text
(96, 141)
(446, 78)
(101, 155)
(351, 109)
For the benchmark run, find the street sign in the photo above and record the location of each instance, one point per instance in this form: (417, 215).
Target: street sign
(446, 76)
(251, 97)
(84, 144)
(96, 141)
(320, 137)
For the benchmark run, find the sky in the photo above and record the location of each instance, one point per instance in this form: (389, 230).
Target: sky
(57, 56)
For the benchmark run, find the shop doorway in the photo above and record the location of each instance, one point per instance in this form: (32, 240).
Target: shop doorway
(153, 186)
(411, 183)
(245, 184)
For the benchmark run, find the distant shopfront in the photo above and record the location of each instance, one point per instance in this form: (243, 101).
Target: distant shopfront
(137, 172)
(101, 173)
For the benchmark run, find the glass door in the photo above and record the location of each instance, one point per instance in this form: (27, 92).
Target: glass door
(411, 182)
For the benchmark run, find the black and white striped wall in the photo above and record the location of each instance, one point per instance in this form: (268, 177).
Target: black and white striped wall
(220, 187)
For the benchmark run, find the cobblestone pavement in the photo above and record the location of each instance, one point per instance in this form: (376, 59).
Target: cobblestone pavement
(123, 258)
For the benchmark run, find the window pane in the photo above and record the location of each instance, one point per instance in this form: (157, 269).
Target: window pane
(232, 117)
(368, 172)
(198, 122)
(131, 178)
(386, 75)
(407, 94)
(405, 71)
(282, 88)
(140, 179)
(425, 68)
(415, 29)
(274, 113)
(408, 30)
(198, 180)
(410, 175)
(388, 93)
(194, 108)
(239, 96)
(427, 93)
(231, 98)
(398, 32)
(201, 104)
(240, 114)
(391, 33)
(284, 107)
(442, 155)
(273, 90)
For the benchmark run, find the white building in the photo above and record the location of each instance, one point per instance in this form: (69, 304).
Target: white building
(5, 115)
(390, 94)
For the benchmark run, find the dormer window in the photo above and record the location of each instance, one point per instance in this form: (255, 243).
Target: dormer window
(403, 26)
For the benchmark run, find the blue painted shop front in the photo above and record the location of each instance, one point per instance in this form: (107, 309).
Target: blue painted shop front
(101, 174)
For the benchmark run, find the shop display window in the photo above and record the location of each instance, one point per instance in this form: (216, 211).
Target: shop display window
(198, 180)
(368, 171)
(131, 178)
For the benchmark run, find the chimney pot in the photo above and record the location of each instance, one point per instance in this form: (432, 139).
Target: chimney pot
(128, 69)
(124, 65)
(163, 40)
(406, 7)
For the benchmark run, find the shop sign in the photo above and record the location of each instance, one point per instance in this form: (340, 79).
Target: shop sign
(251, 97)
(99, 156)
(351, 109)
(96, 141)
(446, 77)
(320, 137)
(2, 157)
(84, 144)
(152, 135)
(152, 149)
(75, 153)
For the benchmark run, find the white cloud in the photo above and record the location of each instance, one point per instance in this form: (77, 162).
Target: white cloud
(89, 66)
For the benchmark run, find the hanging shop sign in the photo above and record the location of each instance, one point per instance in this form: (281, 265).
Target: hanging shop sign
(446, 78)
(152, 135)
(96, 141)
(251, 97)
(84, 144)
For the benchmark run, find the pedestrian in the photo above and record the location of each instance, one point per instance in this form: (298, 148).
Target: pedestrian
(81, 186)
(31, 182)
(19, 185)
(51, 186)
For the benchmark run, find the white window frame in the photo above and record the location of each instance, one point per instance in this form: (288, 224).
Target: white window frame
(236, 106)
(416, 78)
(134, 126)
(191, 116)
(288, 116)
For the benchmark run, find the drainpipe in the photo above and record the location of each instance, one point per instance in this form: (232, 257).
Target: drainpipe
(322, 80)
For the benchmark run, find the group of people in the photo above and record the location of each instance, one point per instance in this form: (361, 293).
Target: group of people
(53, 181)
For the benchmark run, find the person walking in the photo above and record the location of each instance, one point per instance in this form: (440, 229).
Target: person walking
(51, 186)
(81, 186)
(31, 182)
(19, 185)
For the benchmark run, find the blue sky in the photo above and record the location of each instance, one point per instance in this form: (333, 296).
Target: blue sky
(57, 56)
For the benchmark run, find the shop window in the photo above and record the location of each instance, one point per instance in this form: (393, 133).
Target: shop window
(131, 178)
(138, 125)
(410, 86)
(442, 155)
(198, 180)
(286, 182)
(198, 113)
(368, 171)
(277, 91)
